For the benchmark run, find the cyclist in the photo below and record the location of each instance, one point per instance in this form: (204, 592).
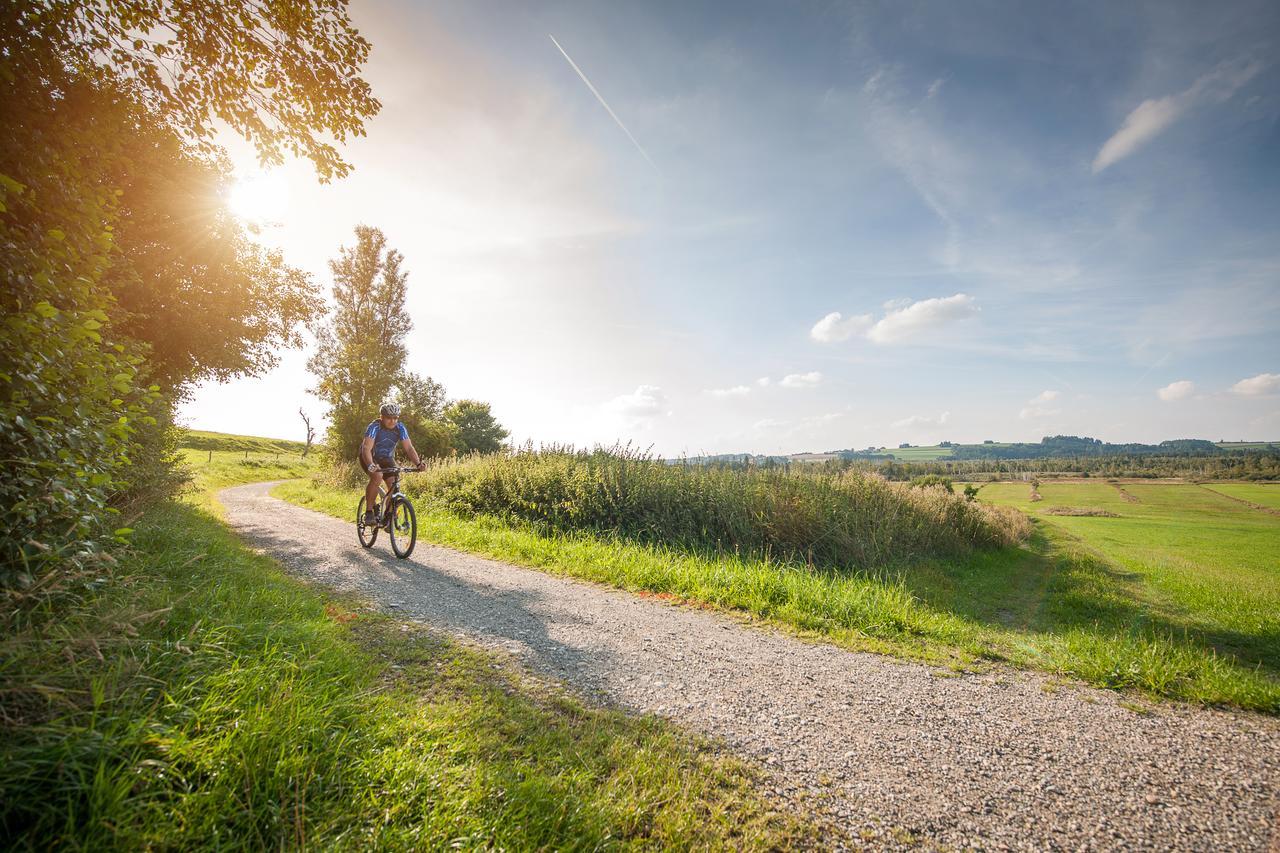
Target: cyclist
(378, 451)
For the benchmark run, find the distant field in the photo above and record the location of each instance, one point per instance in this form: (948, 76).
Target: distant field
(1196, 558)
(196, 439)
(1265, 494)
(918, 454)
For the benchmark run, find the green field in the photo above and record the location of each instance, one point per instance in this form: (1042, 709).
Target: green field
(192, 695)
(214, 469)
(1263, 494)
(196, 439)
(1178, 597)
(918, 454)
(1196, 560)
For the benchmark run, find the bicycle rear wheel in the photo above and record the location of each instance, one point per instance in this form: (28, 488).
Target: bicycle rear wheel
(404, 528)
(367, 534)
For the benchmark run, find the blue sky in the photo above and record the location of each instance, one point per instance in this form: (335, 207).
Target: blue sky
(1030, 219)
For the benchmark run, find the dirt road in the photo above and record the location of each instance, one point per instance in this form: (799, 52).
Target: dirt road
(899, 753)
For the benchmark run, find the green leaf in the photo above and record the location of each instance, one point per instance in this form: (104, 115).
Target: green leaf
(44, 309)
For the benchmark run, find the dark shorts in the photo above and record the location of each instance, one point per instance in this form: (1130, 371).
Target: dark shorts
(381, 462)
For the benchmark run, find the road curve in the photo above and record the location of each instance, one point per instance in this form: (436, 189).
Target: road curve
(892, 750)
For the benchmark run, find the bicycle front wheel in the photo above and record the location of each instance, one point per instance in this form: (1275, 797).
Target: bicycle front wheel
(404, 528)
(367, 534)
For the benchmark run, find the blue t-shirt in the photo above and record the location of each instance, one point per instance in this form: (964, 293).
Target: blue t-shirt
(385, 440)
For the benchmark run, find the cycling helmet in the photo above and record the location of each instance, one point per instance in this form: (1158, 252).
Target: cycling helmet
(389, 410)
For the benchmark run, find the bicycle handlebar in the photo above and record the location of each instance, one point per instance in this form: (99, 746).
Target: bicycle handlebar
(397, 470)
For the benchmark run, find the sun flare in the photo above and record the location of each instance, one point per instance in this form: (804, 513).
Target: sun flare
(260, 198)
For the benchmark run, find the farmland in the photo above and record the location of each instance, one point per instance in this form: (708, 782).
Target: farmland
(1174, 594)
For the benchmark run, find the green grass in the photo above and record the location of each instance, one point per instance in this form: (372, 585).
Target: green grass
(919, 454)
(214, 469)
(1262, 494)
(1054, 604)
(197, 697)
(197, 439)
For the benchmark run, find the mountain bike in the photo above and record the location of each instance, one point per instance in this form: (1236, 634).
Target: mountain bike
(393, 513)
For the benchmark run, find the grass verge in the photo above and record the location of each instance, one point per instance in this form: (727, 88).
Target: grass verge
(1051, 605)
(199, 698)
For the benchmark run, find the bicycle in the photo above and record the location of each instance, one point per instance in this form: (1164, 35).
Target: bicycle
(393, 513)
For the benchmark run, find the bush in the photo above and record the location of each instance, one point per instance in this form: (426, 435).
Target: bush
(931, 480)
(845, 520)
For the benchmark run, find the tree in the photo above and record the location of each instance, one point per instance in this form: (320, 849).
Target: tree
(92, 94)
(422, 402)
(209, 302)
(478, 430)
(360, 351)
(311, 432)
(284, 74)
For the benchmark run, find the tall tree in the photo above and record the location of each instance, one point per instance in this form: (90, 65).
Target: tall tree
(478, 430)
(360, 350)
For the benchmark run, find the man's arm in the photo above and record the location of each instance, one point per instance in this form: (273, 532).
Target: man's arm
(411, 453)
(366, 453)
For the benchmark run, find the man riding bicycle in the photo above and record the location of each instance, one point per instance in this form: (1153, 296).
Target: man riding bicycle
(378, 451)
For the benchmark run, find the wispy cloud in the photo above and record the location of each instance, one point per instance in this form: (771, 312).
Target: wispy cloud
(735, 391)
(1151, 117)
(647, 401)
(922, 420)
(1175, 391)
(603, 102)
(1038, 406)
(801, 380)
(835, 327)
(1256, 386)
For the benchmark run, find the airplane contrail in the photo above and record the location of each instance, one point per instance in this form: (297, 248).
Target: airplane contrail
(603, 102)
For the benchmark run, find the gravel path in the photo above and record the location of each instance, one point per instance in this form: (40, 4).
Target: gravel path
(896, 752)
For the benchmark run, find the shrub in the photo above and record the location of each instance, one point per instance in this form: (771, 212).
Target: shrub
(931, 480)
(842, 520)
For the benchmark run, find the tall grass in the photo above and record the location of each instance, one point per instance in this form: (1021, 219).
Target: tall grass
(847, 520)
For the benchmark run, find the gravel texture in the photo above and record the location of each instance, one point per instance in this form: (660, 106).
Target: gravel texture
(896, 752)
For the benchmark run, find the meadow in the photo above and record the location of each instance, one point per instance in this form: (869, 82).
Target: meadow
(192, 695)
(196, 439)
(1159, 601)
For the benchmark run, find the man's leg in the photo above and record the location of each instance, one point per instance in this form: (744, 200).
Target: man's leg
(371, 494)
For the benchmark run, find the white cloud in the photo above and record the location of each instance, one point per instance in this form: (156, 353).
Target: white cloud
(919, 317)
(647, 401)
(1036, 408)
(1149, 118)
(763, 381)
(1179, 390)
(923, 420)
(735, 391)
(1263, 383)
(801, 380)
(934, 88)
(835, 327)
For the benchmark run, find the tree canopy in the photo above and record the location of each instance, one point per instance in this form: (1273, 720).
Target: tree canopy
(284, 74)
